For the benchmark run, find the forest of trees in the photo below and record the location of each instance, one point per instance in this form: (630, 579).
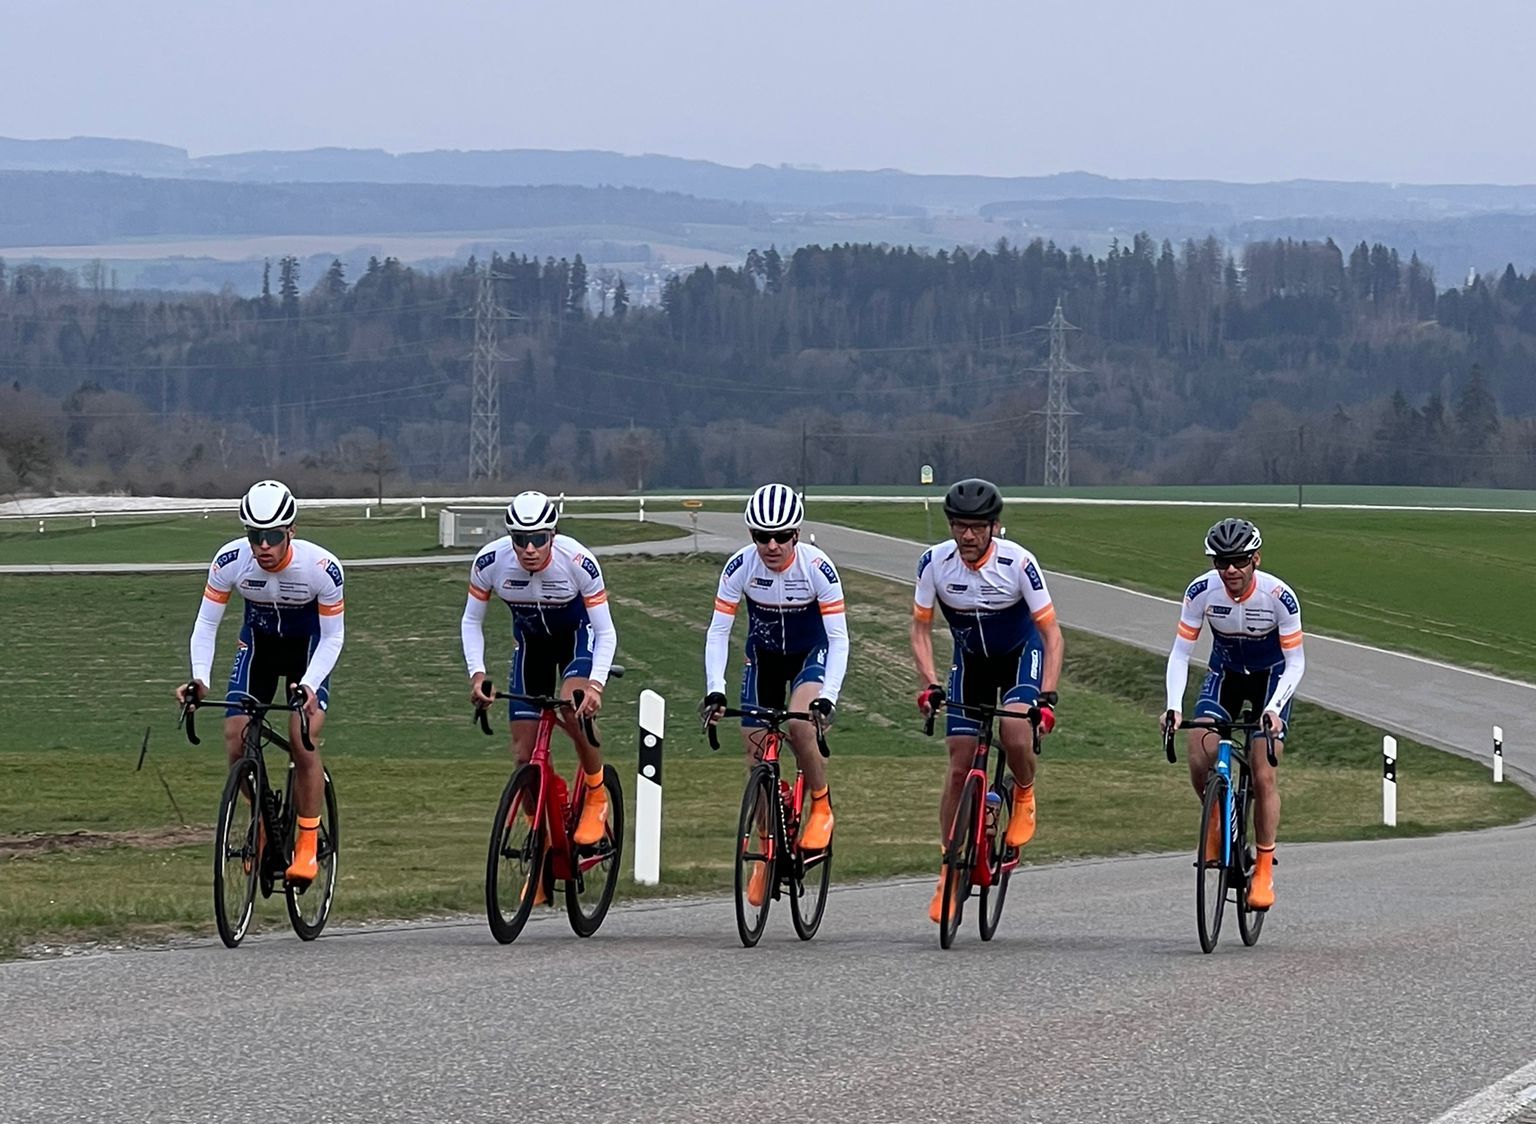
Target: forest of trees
(1283, 361)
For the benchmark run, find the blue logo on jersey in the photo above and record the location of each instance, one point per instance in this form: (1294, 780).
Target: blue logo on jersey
(334, 572)
(922, 563)
(826, 568)
(254, 583)
(485, 560)
(1197, 589)
(1004, 560)
(763, 583)
(954, 588)
(1219, 610)
(1288, 600)
(734, 564)
(1034, 576)
(589, 566)
(226, 558)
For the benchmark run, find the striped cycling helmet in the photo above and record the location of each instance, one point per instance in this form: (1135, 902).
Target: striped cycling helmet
(774, 507)
(531, 511)
(268, 504)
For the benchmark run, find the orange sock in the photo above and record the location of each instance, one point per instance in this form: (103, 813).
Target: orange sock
(594, 780)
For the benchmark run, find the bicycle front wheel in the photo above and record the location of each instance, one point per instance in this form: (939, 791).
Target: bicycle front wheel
(992, 894)
(808, 896)
(959, 859)
(309, 907)
(595, 869)
(757, 843)
(1211, 874)
(237, 852)
(514, 868)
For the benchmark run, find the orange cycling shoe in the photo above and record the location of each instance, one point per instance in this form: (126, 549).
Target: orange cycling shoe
(1021, 825)
(1261, 890)
(305, 867)
(594, 813)
(816, 832)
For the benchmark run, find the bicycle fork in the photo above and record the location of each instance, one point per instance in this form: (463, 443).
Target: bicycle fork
(1223, 768)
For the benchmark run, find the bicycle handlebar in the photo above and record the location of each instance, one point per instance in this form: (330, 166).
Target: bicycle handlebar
(1225, 729)
(775, 718)
(542, 702)
(248, 705)
(1032, 715)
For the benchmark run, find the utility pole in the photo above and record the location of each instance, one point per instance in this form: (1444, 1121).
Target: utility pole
(485, 383)
(1057, 368)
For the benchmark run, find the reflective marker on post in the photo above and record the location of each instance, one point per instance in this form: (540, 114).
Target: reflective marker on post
(1498, 755)
(653, 723)
(1389, 780)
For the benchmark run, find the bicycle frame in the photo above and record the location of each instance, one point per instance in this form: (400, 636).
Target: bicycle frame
(981, 871)
(1227, 751)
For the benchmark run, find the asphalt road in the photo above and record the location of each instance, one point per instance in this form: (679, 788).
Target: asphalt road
(1392, 982)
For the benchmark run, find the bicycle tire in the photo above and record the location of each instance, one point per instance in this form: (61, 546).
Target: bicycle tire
(989, 910)
(517, 852)
(309, 907)
(1250, 922)
(959, 860)
(236, 862)
(1210, 877)
(758, 820)
(808, 894)
(604, 875)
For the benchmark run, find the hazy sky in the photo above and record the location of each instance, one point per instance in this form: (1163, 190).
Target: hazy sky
(1242, 89)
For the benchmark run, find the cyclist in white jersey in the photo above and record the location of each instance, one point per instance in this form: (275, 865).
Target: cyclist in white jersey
(1006, 641)
(293, 628)
(564, 633)
(797, 644)
(1257, 659)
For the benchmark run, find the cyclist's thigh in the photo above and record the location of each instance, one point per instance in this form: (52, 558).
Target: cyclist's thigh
(1026, 668)
(764, 681)
(255, 669)
(970, 684)
(535, 668)
(574, 654)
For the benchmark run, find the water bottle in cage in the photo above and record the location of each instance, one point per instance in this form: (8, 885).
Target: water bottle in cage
(994, 802)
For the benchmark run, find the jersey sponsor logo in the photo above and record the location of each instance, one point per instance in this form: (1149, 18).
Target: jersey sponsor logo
(1288, 600)
(922, 563)
(734, 564)
(515, 583)
(762, 583)
(1196, 589)
(1032, 574)
(1004, 560)
(827, 571)
(1218, 610)
(333, 571)
(226, 558)
(254, 583)
(589, 566)
(485, 560)
(956, 587)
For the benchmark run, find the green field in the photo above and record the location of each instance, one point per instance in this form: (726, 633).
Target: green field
(1451, 586)
(94, 850)
(393, 532)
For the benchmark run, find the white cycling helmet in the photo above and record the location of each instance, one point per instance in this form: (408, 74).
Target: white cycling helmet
(531, 511)
(774, 507)
(268, 504)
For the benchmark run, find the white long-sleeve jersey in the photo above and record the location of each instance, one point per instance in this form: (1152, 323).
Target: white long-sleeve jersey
(1258, 631)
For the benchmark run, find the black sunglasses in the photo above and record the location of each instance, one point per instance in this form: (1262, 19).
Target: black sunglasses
(1233, 561)
(523, 539)
(766, 537)
(271, 537)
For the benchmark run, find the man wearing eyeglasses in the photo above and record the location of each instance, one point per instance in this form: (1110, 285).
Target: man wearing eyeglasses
(1006, 642)
(563, 630)
(797, 644)
(293, 628)
(1256, 659)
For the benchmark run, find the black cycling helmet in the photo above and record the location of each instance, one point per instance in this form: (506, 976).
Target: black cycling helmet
(1233, 536)
(973, 499)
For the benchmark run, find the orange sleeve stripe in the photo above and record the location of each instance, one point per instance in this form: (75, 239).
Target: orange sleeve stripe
(599, 598)
(922, 614)
(724, 606)
(1291, 641)
(333, 610)
(221, 596)
(1046, 615)
(1188, 631)
(831, 607)
(479, 594)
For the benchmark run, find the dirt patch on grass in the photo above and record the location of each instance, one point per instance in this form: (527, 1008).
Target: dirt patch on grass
(47, 843)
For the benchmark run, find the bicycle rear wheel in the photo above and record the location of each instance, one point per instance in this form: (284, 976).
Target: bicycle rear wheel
(514, 867)
(309, 907)
(595, 869)
(1250, 922)
(990, 909)
(236, 858)
(808, 895)
(959, 859)
(1210, 877)
(757, 842)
